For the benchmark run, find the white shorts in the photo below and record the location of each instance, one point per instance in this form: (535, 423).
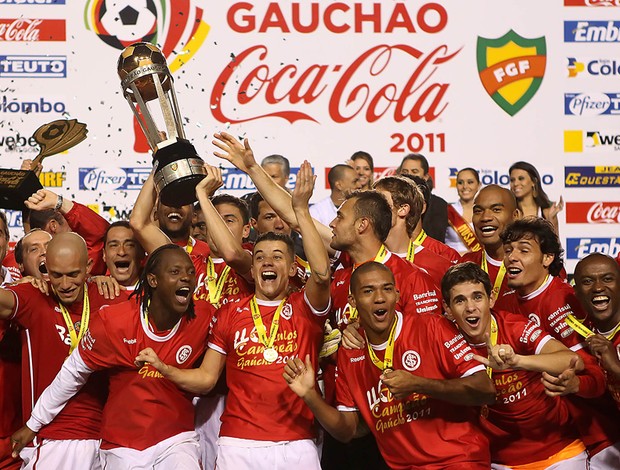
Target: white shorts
(241, 454)
(68, 454)
(180, 452)
(209, 409)
(607, 459)
(578, 462)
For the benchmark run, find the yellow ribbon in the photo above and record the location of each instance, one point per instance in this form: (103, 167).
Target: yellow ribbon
(583, 330)
(420, 238)
(190, 245)
(215, 285)
(379, 258)
(260, 326)
(76, 338)
(497, 285)
(388, 358)
(493, 340)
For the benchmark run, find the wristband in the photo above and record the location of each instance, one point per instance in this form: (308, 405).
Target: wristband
(58, 203)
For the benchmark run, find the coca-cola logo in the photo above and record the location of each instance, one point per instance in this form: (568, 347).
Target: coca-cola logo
(28, 30)
(604, 213)
(398, 81)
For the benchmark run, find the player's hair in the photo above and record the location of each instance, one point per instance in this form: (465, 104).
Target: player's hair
(368, 266)
(39, 219)
(417, 157)
(4, 221)
(540, 196)
(277, 237)
(364, 156)
(471, 170)
(278, 160)
(422, 186)
(118, 223)
(543, 232)
(404, 191)
(255, 201)
(373, 206)
(233, 201)
(336, 173)
(462, 273)
(144, 292)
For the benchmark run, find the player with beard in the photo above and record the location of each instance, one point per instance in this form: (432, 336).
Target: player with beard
(51, 326)
(263, 422)
(533, 259)
(526, 427)
(494, 208)
(414, 385)
(147, 421)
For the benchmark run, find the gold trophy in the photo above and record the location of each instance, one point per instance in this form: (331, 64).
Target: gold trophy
(148, 87)
(54, 137)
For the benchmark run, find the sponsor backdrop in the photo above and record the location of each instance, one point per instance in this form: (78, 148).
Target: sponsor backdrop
(476, 83)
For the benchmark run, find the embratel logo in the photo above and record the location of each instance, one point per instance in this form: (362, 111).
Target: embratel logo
(236, 180)
(591, 31)
(592, 3)
(33, 66)
(591, 104)
(594, 67)
(593, 212)
(29, 29)
(592, 176)
(577, 248)
(511, 69)
(113, 179)
(26, 106)
(583, 141)
(177, 27)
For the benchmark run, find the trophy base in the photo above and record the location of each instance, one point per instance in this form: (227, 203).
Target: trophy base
(16, 186)
(176, 182)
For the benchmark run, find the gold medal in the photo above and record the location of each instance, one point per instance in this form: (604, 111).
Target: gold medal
(270, 355)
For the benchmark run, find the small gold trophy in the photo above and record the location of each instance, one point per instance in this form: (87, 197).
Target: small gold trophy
(148, 87)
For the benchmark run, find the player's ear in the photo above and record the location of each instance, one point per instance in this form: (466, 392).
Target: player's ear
(152, 280)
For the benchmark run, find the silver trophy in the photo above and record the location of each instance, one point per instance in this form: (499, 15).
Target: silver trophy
(148, 87)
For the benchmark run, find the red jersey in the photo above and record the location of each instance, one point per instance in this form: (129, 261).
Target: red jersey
(143, 408)
(92, 227)
(441, 249)
(613, 384)
(524, 425)
(260, 406)
(432, 263)
(493, 267)
(45, 346)
(10, 380)
(235, 286)
(10, 263)
(419, 431)
(418, 293)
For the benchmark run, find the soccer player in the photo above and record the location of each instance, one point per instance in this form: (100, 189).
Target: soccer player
(30, 253)
(525, 426)
(264, 422)
(51, 326)
(494, 208)
(147, 421)
(123, 254)
(415, 385)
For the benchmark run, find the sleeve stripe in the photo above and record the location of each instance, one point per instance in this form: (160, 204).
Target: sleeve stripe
(576, 347)
(215, 347)
(315, 311)
(473, 370)
(542, 343)
(346, 408)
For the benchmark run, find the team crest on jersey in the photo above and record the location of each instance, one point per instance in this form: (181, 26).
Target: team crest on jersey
(411, 360)
(183, 353)
(287, 311)
(533, 317)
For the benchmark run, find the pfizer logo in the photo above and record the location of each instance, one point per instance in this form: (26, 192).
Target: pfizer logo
(589, 104)
(183, 353)
(411, 360)
(103, 179)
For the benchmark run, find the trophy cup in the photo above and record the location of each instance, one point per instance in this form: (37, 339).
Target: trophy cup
(54, 137)
(148, 87)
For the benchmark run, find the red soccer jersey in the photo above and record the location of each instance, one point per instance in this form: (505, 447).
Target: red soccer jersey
(613, 384)
(435, 265)
(524, 425)
(235, 286)
(10, 263)
(260, 406)
(493, 267)
(441, 249)
(10, 381)
(419, 431)
(45, 346)
(143, 408)
(418, 293)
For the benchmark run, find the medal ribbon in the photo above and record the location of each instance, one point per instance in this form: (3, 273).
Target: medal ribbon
(190, 245)
(420, 238)
(388, 358)
(260, 326)
(379, 258)
(462, 229)
(583, 330)
(500, 275)
(493, 340)
(215, 285)
(76, 338)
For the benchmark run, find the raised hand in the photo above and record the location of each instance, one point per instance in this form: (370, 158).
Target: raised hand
(210, 183)
(299, 376)
(304, 186)
(237, 153)
(556, 208)
(42, 200)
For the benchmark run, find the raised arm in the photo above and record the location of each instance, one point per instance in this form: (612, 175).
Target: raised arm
(242, 157)
(227, 246)
(147, 232)
(317, 286)
(199, 381)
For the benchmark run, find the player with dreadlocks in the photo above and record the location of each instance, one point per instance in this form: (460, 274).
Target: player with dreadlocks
(146, 420)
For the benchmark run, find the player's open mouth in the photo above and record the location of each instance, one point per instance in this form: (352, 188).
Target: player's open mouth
(514, 271)
(182, 295)
(122, 266)
(473, 321)
(488, 229)
(42, 267)
(380, 314)
(269, 275)
(175, 217)
(600, 302)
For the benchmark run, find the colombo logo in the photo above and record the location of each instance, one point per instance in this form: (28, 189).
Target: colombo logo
(511, 69)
